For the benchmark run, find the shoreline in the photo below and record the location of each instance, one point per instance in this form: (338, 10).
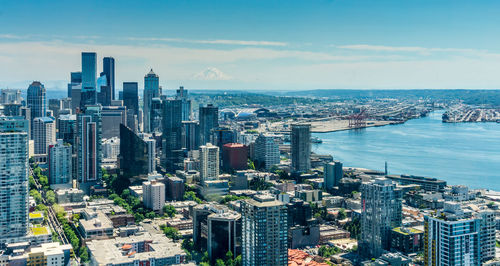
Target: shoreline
(342, 125)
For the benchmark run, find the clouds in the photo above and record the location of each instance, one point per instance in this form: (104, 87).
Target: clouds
(251, 64)
(223, 42)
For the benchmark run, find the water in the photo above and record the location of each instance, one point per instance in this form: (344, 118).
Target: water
(462, 153)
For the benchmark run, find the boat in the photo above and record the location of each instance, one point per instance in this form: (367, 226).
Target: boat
(316, 140)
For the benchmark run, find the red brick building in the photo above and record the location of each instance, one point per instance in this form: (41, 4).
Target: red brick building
(234, 156)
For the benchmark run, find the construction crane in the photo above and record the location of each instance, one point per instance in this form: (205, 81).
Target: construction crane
(357, 120)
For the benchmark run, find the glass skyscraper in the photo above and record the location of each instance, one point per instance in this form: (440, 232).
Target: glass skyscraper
(108, 68)
(37, 101)
(131, 96)
(89, 71)
(151, 90)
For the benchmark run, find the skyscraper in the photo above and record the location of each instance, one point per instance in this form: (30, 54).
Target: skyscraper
(37, 101)
(59, 160)
(66, 126)
(301, 147)
(89, 71)
(182, 95)
(190, 135)
(89, 147)
(209, 162)
(172, 135)
(209, 120)
(381, 204)
(156, 115)
(264, 231)
(108, 68)
(451, 238)
(137, 154)
(44, 130)
(153, 195)
(131, 96)
(333, 172)
(267, 151)
(14, 178)
(151, 90)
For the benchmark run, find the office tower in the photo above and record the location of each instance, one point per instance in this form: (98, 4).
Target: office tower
(217, 229)
(209, 120)
(44, 133)
(111, 148)
(26, 114)
(36, 102)
(221, 136)
(108, 68)
(182, 95)
(12, 109)
(76, 97)
(131, 96)
(175, 188)
(267, 151)
(76, 77)
(66, 126)
(137, 156)
(301, 147)
(264, 230)
(89, 71)
(332, 172)
(88, 97)
(172, 135)
(103, 90)
(381, 211)
(209, 162)
(55, 106)
(89, 147)
(156, 115)
(151, 90)
(60, 163)
(153, 195)
(303, 228)
(451, 238)
(10, 96)
(14, 179)
(234, 157)
(112, 117)
(487, 225)
(190, 135)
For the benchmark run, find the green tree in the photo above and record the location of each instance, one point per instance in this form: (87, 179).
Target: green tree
(190, 195)
(204, 257)
(50, 196)
(229, 258)
(138, 217)
(188, 244)
(237, 261)
(171, 232)
(150, 215)
(342, 215)
(169, 210)
(219, 262)
(83, 254)
(251, 164)
(32, 183)
(36, 195)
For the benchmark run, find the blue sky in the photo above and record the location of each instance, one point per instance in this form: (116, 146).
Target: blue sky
(282, 45)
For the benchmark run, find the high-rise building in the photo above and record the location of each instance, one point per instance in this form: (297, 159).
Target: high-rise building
(265, 231)
(172, 135)
(301, 147)
(76, 77)
(221, 136)
(451, 238)
(235, 156)
(137, 154)
(209, 162)
(381, 204)
(151, 90)
(153, 195)
(182, 94)
(217, 229)
(190, 135)
(112, 117)
(104, 93)
(66, 126)
(209, 120)
(175, 188)
(303, 227)
(333, 172)
(10, 96)
(108, 68)
(89, 147)
(267, 150)
(76, 97)
(60, 163)
(44, 133)
(487, 224)
(26, 114)
(55, 105)
(89, 71)
(14, 178)
(156, 114)
(37, 101)
(131, 96)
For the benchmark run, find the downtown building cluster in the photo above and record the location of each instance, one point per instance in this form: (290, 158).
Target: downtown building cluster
(138, 171)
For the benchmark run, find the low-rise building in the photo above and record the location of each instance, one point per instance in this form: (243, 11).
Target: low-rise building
(407, 240)
(95, 225)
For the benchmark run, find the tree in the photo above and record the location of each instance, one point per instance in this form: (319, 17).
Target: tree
(36, 195)
(219, 262)
(342, 215)
(237, 261)
(32, 183)
(50, 196)
(251, 164)
(138, 217)
(84, 254)
(190, 195)
(188, 244)
(204, 257)
(171, 232)
(229, 258)
(150, 215)
(169, 210)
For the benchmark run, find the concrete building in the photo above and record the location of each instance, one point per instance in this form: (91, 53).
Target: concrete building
(487, 234)
(50, 254)
(95, 224)
(44, 133)
(10, 96)
(69, 195)
(333, 172)
(89, 151)
(381, 211)
(301, 147)
(267, 151)
(234, 157)
(66, 129)
(111, 148)
(60, 163)
(407, 240)
(153, 195)
(303, 228)
(112, 117)
(190, 135)
(265, 231)
(426, 183)
(175, 188)
(139, 249)
(14, 179)
(217, 229)
(451, 238)
(209, 162)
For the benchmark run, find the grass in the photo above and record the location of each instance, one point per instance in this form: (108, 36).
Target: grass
(36, 215)
(39, 230)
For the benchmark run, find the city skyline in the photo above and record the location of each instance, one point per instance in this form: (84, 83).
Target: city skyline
(259, 46)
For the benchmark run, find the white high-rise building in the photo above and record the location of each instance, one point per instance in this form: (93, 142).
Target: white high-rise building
(14, 194)
(44, 133)
(153, 195)
(111, 148)
(267, 150)
(60, 163)
(209, 162)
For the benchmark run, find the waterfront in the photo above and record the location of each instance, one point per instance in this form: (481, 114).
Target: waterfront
(461, 153)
